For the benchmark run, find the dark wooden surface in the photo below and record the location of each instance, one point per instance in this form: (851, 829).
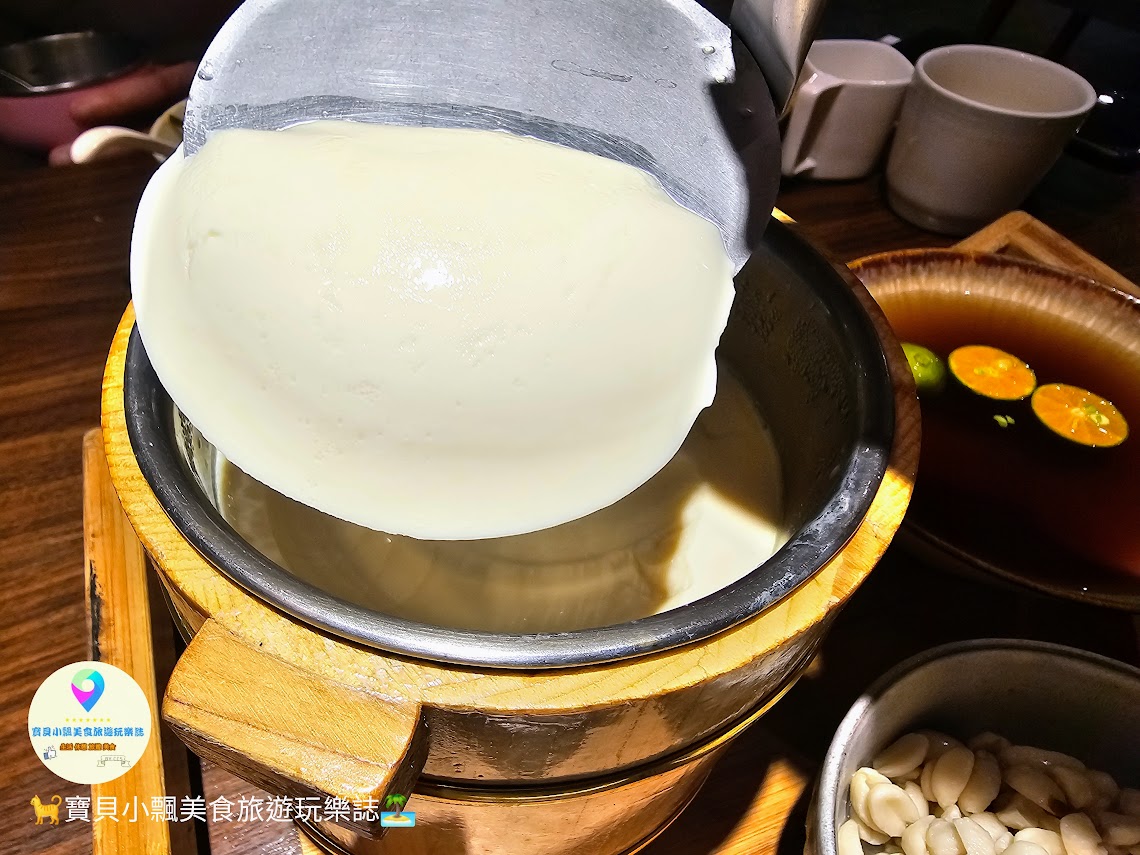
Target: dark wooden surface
(64, 237)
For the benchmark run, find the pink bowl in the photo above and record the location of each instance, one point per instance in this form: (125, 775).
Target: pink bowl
(43, 77)
(39, 121)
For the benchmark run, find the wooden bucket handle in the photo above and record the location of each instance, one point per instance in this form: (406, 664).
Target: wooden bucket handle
(290, 732)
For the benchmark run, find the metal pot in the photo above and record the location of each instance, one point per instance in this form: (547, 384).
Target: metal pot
(1031, 692)
(804, 350)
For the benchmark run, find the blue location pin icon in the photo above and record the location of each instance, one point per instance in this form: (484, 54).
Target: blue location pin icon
(87, 697)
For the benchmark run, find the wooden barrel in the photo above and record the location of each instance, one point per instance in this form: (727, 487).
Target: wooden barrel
(307, 714)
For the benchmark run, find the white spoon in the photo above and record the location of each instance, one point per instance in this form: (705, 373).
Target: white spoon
(110, 141)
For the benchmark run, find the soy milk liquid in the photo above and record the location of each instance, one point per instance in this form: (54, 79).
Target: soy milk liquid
(440, 333)
(709, 517)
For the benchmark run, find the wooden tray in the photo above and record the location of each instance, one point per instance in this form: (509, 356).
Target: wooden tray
(755, 801)
(1020, 235)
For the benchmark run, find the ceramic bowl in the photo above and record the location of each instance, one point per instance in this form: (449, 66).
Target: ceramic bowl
(1091, 334)
(1031, 692)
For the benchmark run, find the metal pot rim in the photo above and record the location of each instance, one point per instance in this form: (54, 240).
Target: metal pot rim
(12, 89)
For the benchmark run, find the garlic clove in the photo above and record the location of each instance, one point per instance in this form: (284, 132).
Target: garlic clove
(1080, 837)
(847, 839)
(914, 838)
(1120, 829)
(951, 774)
(891, 809)
(942, 839)
(1036, 785)
(987, 741)
(940, 743)
(1028, 755)
(993, 826)
(1050, 841)
(975, 839)
(902, 756)
(871, 835)
(983, 786)
(1022, 847)
(861, 783)
(1075, 784)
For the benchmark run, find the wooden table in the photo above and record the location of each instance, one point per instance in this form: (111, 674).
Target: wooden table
(64, 238)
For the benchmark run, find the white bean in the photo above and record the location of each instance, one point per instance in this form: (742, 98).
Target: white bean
(1129, 801)
(903, 755)
(1003, 843)
(975, 839)
(940, 743)
(924, 780)
(942, 839)
(951, 773)
(847, 840)
(1050, 841)
(1017, 812)
(861, 783)
(1022, 847)
(951, 813)
(891, 809)
(1037, 786)
(993, 826)
(914, 838)
(1134, 850)
(983, 786)
(988, 741)
(1075, 785)
(912, 789)
(871, 835)
(1120, 830)
(1079, 836)
(1028, 755)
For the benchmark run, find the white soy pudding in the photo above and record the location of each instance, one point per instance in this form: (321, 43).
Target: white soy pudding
(709, 517)
(445, 334)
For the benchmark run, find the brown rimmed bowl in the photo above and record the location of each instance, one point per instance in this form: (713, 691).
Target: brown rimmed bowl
(1095, 327)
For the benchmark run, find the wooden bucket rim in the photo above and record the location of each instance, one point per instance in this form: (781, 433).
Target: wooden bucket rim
(211, 594)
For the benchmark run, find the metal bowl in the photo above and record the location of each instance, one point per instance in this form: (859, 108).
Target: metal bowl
(64, 61)
(803, 347)
(1028, 691)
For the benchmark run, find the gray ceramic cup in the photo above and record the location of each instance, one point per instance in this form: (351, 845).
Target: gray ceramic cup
(980, 126)
(1030, 692)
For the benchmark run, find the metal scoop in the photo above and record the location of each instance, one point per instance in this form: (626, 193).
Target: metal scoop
(660, 84)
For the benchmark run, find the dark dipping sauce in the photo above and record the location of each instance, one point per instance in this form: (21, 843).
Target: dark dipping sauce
(1018, 496)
